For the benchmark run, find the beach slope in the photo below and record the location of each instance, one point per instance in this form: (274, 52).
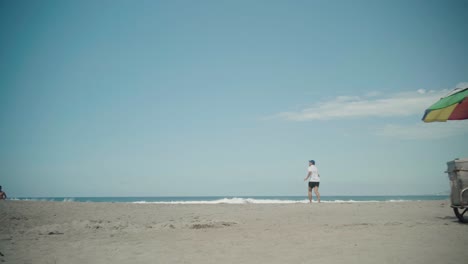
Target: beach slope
(379, 232)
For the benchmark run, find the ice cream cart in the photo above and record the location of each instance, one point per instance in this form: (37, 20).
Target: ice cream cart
(458, 175)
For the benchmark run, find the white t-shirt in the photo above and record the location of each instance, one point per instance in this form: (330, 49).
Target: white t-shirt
(314, 177)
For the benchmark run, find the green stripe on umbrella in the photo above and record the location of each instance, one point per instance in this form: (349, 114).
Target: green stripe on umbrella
(450, 100)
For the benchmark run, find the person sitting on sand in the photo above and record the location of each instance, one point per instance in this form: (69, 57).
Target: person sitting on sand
(3, 195)
(314, 181)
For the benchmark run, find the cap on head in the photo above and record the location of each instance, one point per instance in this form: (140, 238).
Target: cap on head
(312, 161)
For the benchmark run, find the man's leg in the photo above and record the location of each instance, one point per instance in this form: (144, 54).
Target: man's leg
(310, 195)
(317, 193)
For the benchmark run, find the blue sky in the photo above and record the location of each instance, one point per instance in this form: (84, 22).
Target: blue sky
(159, 98)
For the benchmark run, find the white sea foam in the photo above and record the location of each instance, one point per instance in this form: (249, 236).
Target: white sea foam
(228, 201)
(257, 201)
(31, 199)
(43, 199)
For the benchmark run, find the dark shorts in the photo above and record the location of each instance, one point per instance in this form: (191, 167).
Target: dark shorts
(313, 184)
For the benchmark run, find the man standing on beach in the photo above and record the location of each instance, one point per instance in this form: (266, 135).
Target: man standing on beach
(314, 181)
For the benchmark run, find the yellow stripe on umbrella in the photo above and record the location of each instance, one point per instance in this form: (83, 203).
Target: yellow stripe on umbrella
(440, 115)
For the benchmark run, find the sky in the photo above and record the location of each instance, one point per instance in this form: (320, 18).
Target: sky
(227, 98)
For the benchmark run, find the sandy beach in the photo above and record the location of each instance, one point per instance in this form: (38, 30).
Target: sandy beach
(381, 232)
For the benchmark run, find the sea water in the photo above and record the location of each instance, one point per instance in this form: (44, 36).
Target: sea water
(239, 199)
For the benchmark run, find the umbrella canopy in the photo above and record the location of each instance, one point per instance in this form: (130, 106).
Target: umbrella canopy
(454, 106)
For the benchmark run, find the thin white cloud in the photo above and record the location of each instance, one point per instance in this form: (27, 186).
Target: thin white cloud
(421, 91)
(462, 85)
(370, 105)
(424, 131)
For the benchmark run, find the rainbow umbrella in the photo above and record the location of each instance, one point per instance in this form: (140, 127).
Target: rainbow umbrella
(453, 106)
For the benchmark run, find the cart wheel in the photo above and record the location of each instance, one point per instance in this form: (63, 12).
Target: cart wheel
(460, 214)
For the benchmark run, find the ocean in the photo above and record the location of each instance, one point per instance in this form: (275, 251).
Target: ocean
(239, 199)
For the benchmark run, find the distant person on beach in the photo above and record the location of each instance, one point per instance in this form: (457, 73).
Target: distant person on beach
(3, 195)
(314, 180)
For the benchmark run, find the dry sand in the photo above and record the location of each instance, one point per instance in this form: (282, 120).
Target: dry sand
(384, 232)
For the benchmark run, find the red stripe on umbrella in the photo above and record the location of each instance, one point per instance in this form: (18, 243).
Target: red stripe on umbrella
(461, 111)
